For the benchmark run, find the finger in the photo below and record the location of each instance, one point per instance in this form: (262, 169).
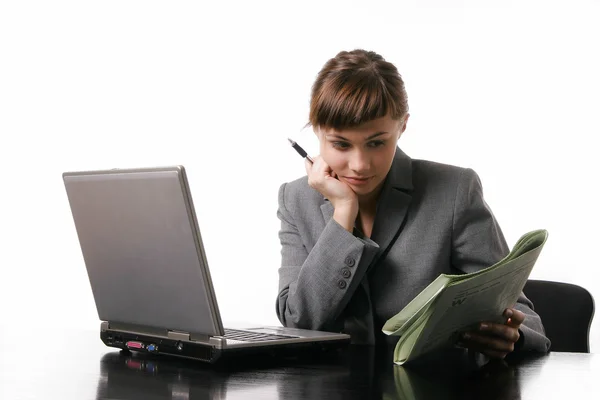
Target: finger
(474, 346)
(514, 317)
(308, 166)
(324, 169)
(501, 331)
(315, 168)
(320, 166)
(489, 342)
(494, 354)
(492, 346)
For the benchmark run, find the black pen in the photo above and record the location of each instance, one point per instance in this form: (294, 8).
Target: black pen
(300, 150)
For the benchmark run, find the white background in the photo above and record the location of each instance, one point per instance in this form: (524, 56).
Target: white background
(510, 89)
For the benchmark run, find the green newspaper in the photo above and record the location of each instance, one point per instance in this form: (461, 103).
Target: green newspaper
(453, 304)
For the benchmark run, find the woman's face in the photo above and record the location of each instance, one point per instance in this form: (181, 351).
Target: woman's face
(362, 156)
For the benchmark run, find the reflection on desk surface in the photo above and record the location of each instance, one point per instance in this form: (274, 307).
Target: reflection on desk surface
(132, 375)
(84, 368)
(359, 373)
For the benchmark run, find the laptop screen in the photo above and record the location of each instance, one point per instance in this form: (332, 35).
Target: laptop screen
(142, 249)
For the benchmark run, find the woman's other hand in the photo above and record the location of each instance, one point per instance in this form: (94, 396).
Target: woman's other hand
(495, 340)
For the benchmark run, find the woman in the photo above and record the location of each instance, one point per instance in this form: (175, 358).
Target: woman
(369, 227)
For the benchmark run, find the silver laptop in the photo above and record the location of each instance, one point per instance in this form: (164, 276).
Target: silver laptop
(148, 271)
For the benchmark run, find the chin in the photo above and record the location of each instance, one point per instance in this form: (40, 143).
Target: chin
(366, 190)
(362, 190)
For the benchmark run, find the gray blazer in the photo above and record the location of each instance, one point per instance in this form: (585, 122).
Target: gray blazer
(431, 219)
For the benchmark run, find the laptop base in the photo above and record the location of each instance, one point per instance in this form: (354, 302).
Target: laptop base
(208, 353)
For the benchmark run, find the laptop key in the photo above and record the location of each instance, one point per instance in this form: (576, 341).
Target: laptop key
(248, 336)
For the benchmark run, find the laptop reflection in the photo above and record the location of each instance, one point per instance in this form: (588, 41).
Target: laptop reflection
(141, 376)
(358, 373)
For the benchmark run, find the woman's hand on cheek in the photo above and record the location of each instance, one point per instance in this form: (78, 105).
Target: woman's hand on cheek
(322, 178)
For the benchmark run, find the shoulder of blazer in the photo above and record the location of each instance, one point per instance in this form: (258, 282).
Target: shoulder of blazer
(430, 172)
(437, 167)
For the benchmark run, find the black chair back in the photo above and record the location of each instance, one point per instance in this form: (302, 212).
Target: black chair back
(566, 311)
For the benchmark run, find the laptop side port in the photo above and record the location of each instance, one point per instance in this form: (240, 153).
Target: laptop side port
(152, 347)
(135, 345)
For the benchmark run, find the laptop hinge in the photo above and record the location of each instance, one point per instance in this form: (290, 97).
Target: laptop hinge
(186, 337)
(178, 336)
(131, 328)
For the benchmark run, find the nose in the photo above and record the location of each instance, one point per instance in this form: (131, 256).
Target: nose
(359, 163)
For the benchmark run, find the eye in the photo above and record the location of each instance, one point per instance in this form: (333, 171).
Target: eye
(340, 145)
(376, 143)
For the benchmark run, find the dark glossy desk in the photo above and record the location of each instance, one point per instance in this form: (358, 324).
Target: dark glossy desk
(83, 368)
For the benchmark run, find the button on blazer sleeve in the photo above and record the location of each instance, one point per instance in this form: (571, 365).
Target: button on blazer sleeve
(319, 270)
(478, 242)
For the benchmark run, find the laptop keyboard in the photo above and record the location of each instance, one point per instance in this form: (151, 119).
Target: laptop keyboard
(248, 336)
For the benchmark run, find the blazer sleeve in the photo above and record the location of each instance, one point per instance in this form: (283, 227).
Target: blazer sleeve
(316, 285)
(478, 242)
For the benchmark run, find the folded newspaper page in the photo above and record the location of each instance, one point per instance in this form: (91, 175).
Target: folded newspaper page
(453, 304)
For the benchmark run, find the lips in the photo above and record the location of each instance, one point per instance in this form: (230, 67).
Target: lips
(357, 180)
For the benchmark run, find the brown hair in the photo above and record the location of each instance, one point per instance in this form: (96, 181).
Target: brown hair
(356, 87)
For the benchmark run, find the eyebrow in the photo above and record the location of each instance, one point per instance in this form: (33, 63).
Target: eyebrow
(369, 138)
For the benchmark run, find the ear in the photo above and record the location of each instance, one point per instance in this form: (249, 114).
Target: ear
(402, 126)
(404, 123)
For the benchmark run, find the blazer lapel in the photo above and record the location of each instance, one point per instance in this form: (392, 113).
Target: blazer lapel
(393, 202)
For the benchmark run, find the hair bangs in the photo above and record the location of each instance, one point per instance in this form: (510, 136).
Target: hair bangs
(348, 102)
(354, 88)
